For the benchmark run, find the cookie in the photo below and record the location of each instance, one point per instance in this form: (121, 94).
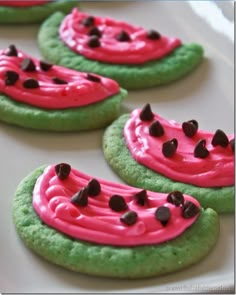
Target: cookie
(153, 153)
(107, 229)
(39, 95)
(134, 57)
(25, 12)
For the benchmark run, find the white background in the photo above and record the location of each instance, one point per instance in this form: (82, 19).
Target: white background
(205, 95)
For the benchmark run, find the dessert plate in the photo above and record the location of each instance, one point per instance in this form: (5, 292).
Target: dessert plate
(205, 95)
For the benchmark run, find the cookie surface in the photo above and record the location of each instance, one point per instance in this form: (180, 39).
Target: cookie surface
(110, 261)
(39, 95)
(94, 116)
(118, 156)
(34, 14)
(177, 64)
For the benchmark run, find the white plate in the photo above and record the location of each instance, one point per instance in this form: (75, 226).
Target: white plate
(206, 95)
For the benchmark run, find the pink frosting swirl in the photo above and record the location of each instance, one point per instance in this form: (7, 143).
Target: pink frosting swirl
(79, 91)
(97, 222)
(19, 3)
(139, 49)
(214, 171)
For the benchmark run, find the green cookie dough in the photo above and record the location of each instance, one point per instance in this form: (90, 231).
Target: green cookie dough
(33, 14)
(118, 156)
(177, 64)
(93, 116)
(109, 261)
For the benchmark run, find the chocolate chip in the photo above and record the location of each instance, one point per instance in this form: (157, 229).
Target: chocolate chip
(58, 81)
(44, 66)
(123, 36)
(95, 32)
(129, 218)
(11, 78)
(62, 170)
(176, 198)
(220, 138)
(117, 203)
(88, 21)
(231, 143)
(200, 150)
(163, 214)
(153, 35)
(169, 147)
(28, 65)
(156, 129)
(94, 187)
(93, 42)
(31, 83)
(93, 78)
(11, 51)
(190, 128)
(80, 198)
(146, 113)
(141, 198)
(190, 210)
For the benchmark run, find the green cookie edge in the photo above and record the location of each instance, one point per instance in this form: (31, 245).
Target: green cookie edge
(122, 162)
(172, 67)
(34, 14)
(108, 261)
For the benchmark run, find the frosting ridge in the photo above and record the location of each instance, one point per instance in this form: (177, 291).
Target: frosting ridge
(97, 222)
(50, 86)
(20, 3)
(212, 169)
(108, 40)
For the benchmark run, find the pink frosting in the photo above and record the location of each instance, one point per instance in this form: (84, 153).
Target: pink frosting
(19, 3)
(214, 171)
(97, 222)
(137, 51)
(79, 91)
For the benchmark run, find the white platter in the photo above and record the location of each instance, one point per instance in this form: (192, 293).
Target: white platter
(206, 95)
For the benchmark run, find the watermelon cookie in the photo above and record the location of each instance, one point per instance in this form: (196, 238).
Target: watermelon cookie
(32, 11)
(154, 153)
(133, 56)
(107, 229)
(39, 95)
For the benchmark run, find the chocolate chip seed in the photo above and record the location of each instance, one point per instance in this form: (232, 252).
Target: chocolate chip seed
(169, 147)
(58, 81)
(156, 129)
(11, 78)
(163, 214)
(176, 198)
(146, 113)
(80, 198)
(11, 51)
(123, 36)
(129, 218)
(95, 32)
(200, 150)
(88, 21)
(94, 187)
(220, 138)
(153, 35)
(190, 210)
(141, 198)
(117, 203)
(93, 42)
(31, 83)
(232, 144)
(62, 170)
(190, 128)
(93, 78)
(28, 65)
(44, 66)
